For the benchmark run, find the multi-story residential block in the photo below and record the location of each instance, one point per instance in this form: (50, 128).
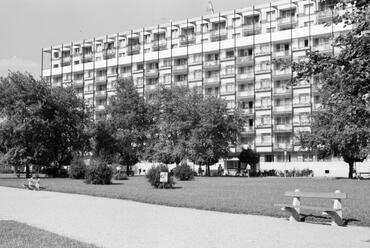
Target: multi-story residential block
(233, 55)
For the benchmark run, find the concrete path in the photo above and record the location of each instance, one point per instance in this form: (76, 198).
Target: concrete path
(120, 223)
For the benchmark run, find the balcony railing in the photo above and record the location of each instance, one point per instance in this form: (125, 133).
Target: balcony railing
(109, 54)
(246, 94)
(182, 83)
(251, 29)
(263, 87)
(101, 79)
(245, 76)
(282, 91)
(159, 44)
(100, 94)
(133, 49)
(282, 54)
(180, 68)
(323, 48)
(283, 127)
(187, 39)
(212, 80)
(151, 73)
(248, 111)
(77, 83)
(277, 73)
(225, 74)
(246, 130)
(266, 106)
(287, 22)
(325, 16)
(283, 109)
(218, 34)
(282, 146)
(245, 60)
(87, 57)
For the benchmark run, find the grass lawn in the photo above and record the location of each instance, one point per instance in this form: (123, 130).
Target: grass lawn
(18, 235)
(227, 194)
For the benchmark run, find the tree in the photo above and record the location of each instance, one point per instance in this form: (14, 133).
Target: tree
(248, 156)
(215, 131)
(41, 125)
(105, 143)
(175, 115)
(342, 127)
(130, 118)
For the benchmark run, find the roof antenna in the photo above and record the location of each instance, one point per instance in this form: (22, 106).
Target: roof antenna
(210, 7)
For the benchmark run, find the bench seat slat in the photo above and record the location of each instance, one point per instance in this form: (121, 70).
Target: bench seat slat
(321, 209)
(317, 195)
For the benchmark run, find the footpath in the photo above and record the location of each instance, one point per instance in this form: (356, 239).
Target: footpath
(120, 223)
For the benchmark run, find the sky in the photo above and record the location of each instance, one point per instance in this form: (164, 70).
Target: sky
(26, 26)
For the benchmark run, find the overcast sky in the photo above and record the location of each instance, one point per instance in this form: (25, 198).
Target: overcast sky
(28, 25)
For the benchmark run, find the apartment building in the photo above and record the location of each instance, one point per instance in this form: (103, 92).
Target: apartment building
(232, 54)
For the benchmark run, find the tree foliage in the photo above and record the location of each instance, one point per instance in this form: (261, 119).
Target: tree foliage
(342, 128)
(248, 156)
(40, 124)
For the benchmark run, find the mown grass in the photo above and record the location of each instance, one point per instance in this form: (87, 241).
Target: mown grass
(18, 235)
(226, 194)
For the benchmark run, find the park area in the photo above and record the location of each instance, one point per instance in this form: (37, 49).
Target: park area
(225, 194)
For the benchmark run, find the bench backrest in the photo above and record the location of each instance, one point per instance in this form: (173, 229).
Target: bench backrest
(328, 195)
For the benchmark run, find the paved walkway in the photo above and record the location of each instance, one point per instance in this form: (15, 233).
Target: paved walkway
(120, 223)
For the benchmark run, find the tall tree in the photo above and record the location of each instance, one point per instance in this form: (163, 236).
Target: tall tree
(41, 125)
(342, 128)
(214, 133)
(130, 117)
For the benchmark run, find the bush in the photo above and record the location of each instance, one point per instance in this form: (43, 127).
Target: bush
(269, 173)
(54, 171)
(6, 170)
(121, 176)
(153, 176)
(296, 173)
(183, 172)
(77, 169)
(98, 173)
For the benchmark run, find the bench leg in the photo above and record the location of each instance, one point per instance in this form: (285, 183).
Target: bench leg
(294, 213)
(336, 220)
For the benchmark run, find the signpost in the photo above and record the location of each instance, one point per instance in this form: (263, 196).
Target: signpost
(163, 177)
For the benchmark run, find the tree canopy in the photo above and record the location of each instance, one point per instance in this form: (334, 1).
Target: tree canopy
(342, 127)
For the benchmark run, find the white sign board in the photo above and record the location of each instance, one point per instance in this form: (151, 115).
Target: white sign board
(163, 177)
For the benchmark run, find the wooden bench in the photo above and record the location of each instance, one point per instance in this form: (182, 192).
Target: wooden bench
(335, 213)
(362, 173)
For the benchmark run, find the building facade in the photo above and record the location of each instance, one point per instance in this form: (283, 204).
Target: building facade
(231, 54)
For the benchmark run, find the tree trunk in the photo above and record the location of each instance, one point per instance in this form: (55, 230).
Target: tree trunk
(28, 171)
(208, 173)
(350, 172)
(127, 170)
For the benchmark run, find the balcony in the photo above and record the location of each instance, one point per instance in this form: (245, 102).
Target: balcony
(212, 81)
(133, 49)
(86, 58)
(251, 29)
(101, 80)
(263, 52)
(187, 39)
(211, 65)
(324, 16)
(282, 54)
(280, 74)
(247, 111)
(125, 75)
(66, 61)
(247, 130)
(302, 84)
(100, 108)
(220, 34)
(297, 103)
(282, 91)
(325, 48)
(101, 94)
(282, 146)
(282, 128)
(227, 74)
(109, 54)
(151, 73)
(159, 44)
(150, 87)
(246, 94)
(263, 87)
(283, 109)
(245, 60)
(182, 83)
(263, 143)
(263, 70)
(78, 83)
(180, 69)
(248, 76)
(302, 123)
(287, 22)
(192, 78)
(263, 107)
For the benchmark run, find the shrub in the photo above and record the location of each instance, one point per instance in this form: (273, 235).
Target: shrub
(296, 173)
(6, 170)
(121, 176)
(269, 173)
(54, 171)
(184, 172)
(153, 176)
(98, 173)
(77, 169)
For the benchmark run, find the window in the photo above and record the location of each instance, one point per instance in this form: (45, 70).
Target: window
(205, 27)
(308, 8)
(236, 22)
(265, 138)
(270, 15)
(270, 30)
(175, 33)
(308, 24)
(229, 54)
